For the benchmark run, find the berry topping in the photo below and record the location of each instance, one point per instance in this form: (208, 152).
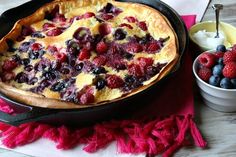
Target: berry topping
(48, 26)
(58, 86)
(7, 76)
(88, 15)
(87, 98)
(119, 34)
(145, 62)
(21, 78)
(104, 29)
(152, 47)
(221, 48)
(36, 47)
(229, 70)
(207, 59)
(25, 61)
(9, 65)
(136, 70)
(105, 17)
(100, 84)
(79, 66)
(142, 25)
(99, 70)
(24, 47)
(217, 70)
(61, 57)
(84, 54)
(226, 83)
(131, 19)
(82, 34)
(37, 34)
(126, 25)
(33, 81)
(54, 32)
(220, 61)
(72, 47)
(229, 57)
(214, 80)
(49, 75)
(133, 47)
(204, 73)
(101, 47)
(28, 68)
(114, 81)
(99, 60)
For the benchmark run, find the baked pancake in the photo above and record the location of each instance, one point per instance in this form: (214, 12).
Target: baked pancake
(82, 53)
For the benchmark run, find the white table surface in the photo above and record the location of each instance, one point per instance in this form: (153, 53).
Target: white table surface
(218, 128)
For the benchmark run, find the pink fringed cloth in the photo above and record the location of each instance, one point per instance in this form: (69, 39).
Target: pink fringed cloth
(172, 128)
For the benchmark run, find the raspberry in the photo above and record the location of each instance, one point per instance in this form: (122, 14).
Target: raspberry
(219, 54)
(142, 25)
(84, 54)
(207, 59)
(104, 29)
(229, 57)
(101, 47)
(61, 57)
(145, 62)
(134, 47)
(114, 81)
(52, 49)
(126, 25)
(131, 19)
(36, 46)
(106, 17)
(99, 60)
(234, 48)
(54, 32)
(135, 69)
(7, 76)
(48, 26)
(204, 73)
(9, 65)
(152, 47)
(88, 15)
(59, 18)
(87, 98)
(229, 70)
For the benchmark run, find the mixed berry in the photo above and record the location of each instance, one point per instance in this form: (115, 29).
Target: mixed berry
(218, 68)
(111, 61)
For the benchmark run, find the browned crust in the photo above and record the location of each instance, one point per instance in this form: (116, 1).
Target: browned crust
(162, 26)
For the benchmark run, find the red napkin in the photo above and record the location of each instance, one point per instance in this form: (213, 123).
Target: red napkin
(166, 129)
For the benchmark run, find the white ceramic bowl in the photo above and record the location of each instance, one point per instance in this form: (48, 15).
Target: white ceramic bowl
(215, 97)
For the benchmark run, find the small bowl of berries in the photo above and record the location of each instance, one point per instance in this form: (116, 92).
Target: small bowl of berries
(215, 73)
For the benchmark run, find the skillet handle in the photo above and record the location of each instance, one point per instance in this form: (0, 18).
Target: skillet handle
(20, 118)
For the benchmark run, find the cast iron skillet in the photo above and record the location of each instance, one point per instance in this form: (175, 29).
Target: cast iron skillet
(89, 115)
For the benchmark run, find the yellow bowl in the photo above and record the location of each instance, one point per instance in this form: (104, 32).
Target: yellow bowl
(210, 26)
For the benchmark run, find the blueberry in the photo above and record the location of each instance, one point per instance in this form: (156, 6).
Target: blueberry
(33, 55)
(58, 86)
(217, 70)
(79, 66)
(33, 81)
(99, 70)
(128, 55)
(21, 78)
(72, 46)
(214, 81)
(16, 58)
(49, 75)
(100, 84)
(226, 83)
(24, 47)
(37, 34)
(129, 79)
(120, 34)
(221, 48)
(25, 61)
(152, 70)
(233, 81)
(220, 61)
(28, 68)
